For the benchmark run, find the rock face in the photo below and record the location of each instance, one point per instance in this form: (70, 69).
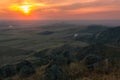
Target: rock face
(54, 72)
(7, 71)
(25, 69)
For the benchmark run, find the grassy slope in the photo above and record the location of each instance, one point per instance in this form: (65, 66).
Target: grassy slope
(30, 39)
(78, 71)
(11, 55)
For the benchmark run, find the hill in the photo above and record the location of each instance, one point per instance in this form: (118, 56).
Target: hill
(66, 62)
(67, 53)
(109, 36)
(94, 29)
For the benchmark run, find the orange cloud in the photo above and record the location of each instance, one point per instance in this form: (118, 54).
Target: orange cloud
(58, 9)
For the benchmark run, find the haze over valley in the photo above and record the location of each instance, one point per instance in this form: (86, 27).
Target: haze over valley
(59, 40)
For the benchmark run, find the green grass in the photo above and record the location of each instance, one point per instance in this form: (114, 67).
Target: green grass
(29, 39)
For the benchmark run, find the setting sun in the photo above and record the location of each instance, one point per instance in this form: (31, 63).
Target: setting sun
(25, 9)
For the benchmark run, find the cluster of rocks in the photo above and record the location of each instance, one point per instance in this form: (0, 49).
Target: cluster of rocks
(26, 69)
(23, 69)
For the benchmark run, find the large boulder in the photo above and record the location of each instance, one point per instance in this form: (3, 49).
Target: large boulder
(25, 69)
(7, 71)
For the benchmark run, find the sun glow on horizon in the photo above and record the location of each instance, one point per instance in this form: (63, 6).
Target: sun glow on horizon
(26, 7)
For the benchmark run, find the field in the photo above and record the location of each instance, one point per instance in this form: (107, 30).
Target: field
(35, 38)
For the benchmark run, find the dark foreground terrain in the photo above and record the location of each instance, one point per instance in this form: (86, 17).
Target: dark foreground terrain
(60, 52)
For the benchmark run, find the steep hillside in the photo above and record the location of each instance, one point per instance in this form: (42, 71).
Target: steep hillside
(104, 51)
(86, 34)
(67, 53)
(94, 29)
(67, 62)
(110, 36)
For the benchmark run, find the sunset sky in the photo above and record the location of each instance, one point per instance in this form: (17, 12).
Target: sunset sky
(60, 9)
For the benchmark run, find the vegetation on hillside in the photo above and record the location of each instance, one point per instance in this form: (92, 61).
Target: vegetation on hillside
(67, 58)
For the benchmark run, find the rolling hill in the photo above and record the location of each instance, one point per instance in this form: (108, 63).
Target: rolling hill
(109, 36)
